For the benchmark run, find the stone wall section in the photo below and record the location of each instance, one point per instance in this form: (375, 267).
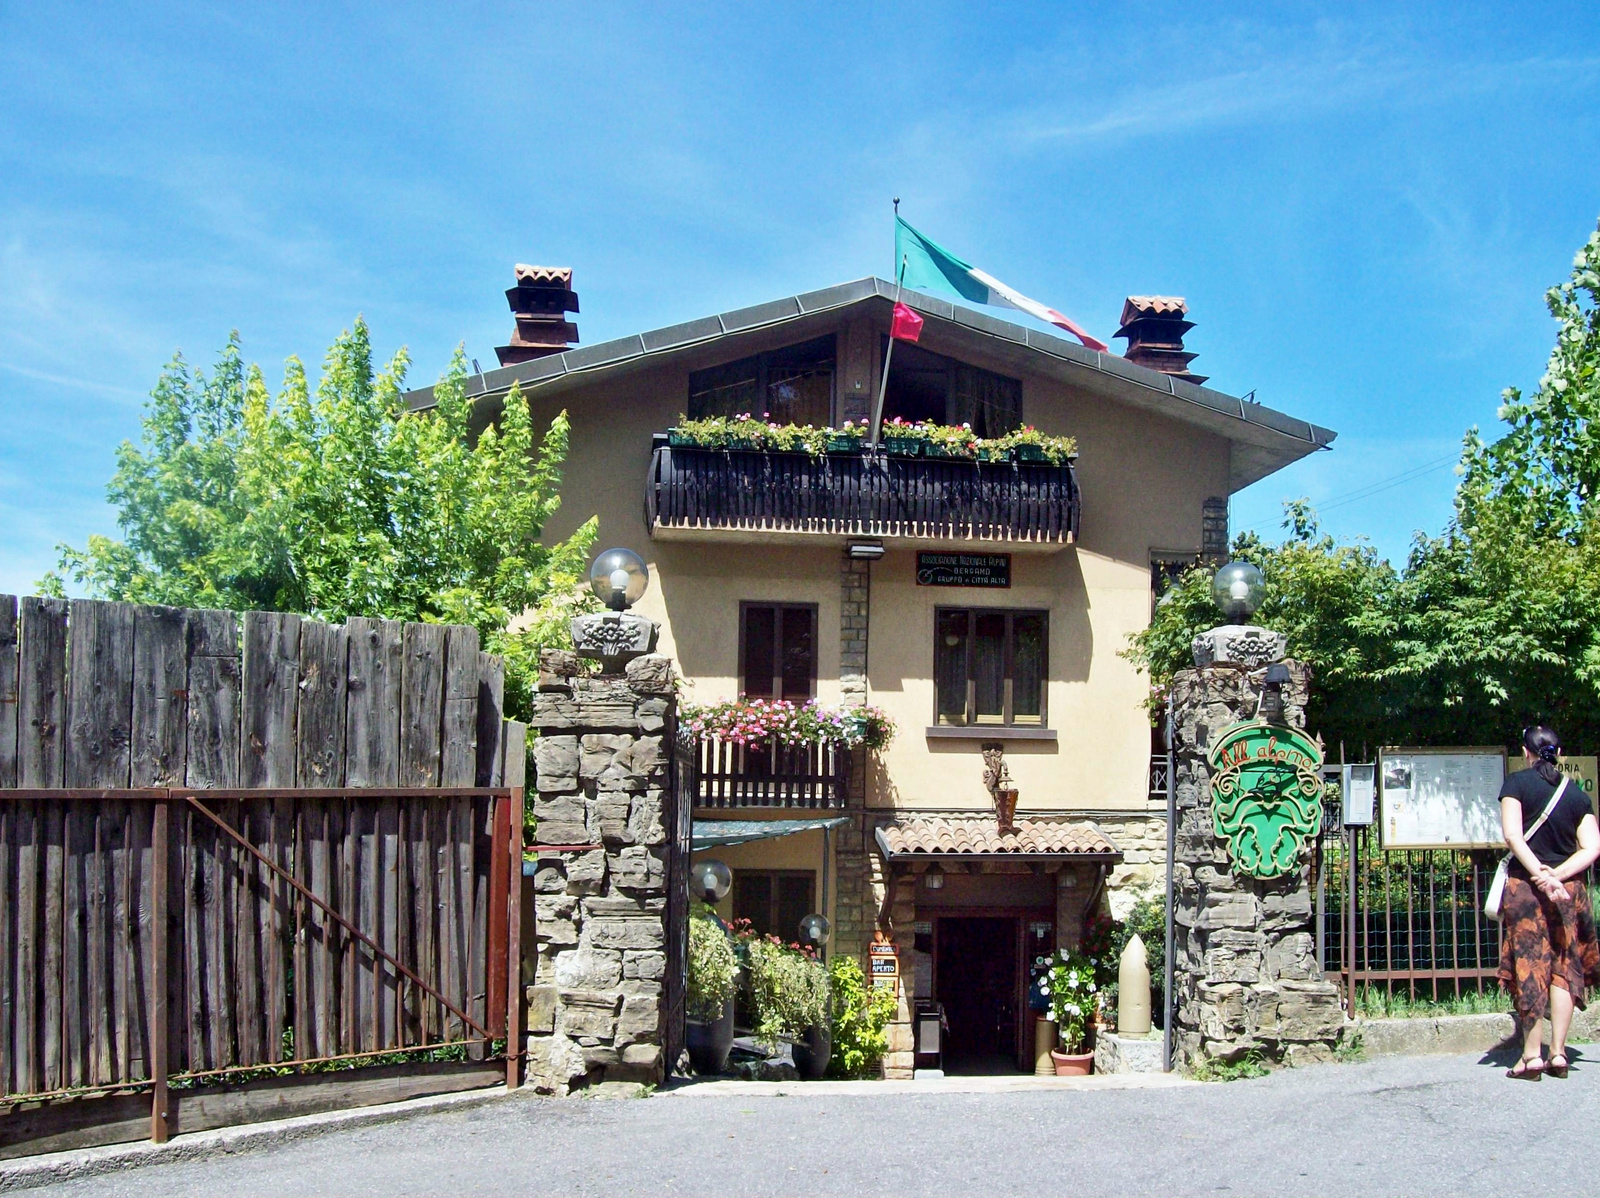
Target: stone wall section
(1142, 873)
(855, 913)
(601, 769)
(1246, 975)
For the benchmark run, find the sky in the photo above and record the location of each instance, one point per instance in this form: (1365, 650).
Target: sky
(1363, 205)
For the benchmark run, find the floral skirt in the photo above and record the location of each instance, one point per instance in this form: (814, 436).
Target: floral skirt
(1545, 942)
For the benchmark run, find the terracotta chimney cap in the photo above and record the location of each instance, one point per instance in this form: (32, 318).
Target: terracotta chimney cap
(1136, 306)
(545, 276)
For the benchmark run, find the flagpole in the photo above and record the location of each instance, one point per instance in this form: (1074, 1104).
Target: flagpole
(888, 355)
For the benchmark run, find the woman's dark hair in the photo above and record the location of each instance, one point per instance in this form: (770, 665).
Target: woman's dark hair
(1544, 744)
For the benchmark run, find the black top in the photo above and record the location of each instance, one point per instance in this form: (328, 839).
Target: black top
(1558, 838)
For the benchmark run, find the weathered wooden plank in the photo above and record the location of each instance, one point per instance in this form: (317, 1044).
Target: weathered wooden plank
(422, 818)
(55, 865)
(99, 693)
(42, 691)
(421, 704)
(491, 716)
(351, 952)
(192, 1018)
(271, 689)
(459, 745)
(99, 1011)
(319, 728)
(215, 678)
(160, 696)
(515, 770)
(372, 730)
(253, 934)
(74, 950)
(387, 930)
(27, 833)
(8, 951)
(367, 915)
(8, 691)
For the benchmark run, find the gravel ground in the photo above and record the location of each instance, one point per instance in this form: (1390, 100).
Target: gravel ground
(1399, 1125)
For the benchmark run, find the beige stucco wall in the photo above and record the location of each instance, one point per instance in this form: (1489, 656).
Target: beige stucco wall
(798, 851)
(1144, 478)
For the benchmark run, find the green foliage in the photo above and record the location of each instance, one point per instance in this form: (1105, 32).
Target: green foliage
(1430, 1000)
(340, 503)
(1487, 627)
(1350, 1049)
(860, 1017)
(1211, 1069)
(713, 967)
(788, 990)
(747, 432)
(1074, 995)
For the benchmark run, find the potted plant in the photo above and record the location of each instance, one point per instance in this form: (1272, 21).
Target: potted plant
(1072, 991)
(901, 437)
(948, 441)
(789, 999)
(1028, 444)
(713, 971)
(845, 440)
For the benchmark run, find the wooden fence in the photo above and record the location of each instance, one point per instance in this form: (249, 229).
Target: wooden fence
(220, 852)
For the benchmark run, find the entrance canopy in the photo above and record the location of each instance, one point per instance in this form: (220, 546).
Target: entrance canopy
(933, 837)
(715, 833)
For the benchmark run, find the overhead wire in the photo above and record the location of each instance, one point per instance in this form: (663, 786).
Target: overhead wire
(1375, 488)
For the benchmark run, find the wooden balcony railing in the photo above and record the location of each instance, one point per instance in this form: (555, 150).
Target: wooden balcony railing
(859, 494)
(720, 773)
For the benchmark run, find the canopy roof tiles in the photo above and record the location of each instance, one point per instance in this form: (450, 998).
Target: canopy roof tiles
(981, 836)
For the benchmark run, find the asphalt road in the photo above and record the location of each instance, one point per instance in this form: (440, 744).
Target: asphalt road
(1411, 1126)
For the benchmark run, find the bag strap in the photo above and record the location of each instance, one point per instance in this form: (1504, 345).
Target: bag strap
(1545, 814)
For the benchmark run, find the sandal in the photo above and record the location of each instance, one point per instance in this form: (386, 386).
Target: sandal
(1555, 1070)
(1528, 1069)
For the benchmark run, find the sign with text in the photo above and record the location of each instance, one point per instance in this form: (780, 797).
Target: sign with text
(963, 569)
(884, 961)
(1584, 772)
(1432, 798)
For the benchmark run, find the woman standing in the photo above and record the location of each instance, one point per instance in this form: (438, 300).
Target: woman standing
(1548, 951)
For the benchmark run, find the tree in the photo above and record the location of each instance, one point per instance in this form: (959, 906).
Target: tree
(342, 503)
(1489, 626)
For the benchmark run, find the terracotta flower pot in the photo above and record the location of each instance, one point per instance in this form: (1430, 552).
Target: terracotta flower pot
(1072, 1064)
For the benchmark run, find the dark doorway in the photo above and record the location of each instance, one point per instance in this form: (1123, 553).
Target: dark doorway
(977, 983)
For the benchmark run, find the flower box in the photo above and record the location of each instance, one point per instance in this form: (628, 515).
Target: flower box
(1031, 453)
(905, 447)
(842, 444)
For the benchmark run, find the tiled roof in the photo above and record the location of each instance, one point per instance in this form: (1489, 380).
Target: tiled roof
(981, 835)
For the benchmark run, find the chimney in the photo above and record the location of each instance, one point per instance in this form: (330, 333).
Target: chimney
(539, 301)
(1154, 326)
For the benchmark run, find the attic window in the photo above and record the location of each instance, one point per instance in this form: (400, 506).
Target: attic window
(792, 385)
(931, 387)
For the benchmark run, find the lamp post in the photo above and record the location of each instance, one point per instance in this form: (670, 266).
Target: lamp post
(619, 579)
(710, 880)
(1238, 589)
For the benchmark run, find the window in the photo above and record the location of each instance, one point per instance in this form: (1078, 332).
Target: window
(989, 666)
(774, 901)
(1166, 571)
(778, 650)
(932, 387)
(793, 385)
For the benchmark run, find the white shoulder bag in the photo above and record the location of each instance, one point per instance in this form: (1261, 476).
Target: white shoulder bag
(1497, 888)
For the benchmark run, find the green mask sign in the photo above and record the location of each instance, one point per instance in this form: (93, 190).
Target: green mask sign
(1266, 795)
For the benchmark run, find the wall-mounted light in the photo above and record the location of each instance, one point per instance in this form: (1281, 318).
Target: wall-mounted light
(1271, 707)
(866, 551)
(934, 878)
(815, 930)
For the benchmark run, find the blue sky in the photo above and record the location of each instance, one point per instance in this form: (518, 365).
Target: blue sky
(1362, 204)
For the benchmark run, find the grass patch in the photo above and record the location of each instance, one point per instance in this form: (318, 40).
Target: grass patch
(1210, 1069)
(1375, 1002)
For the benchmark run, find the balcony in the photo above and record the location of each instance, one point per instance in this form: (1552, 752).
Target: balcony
(719, 773)
(757, 495)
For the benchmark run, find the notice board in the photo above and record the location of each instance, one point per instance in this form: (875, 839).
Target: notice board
(1440, 798)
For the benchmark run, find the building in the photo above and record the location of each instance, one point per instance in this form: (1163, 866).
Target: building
(983, 606)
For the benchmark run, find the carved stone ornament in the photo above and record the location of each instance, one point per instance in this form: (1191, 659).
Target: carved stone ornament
(1266, 795)
(1242, 645)
(613, 637)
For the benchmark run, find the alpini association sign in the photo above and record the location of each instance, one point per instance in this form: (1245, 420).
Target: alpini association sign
(1266, 795)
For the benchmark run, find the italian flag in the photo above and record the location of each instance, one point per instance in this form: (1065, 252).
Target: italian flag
(928, 266)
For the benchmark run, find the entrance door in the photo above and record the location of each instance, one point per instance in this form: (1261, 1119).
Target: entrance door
(976, 980)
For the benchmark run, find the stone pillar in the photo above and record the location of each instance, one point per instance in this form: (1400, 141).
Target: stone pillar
(1214, 531)
(1245, 972)
(600, 777)
(855, 915)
